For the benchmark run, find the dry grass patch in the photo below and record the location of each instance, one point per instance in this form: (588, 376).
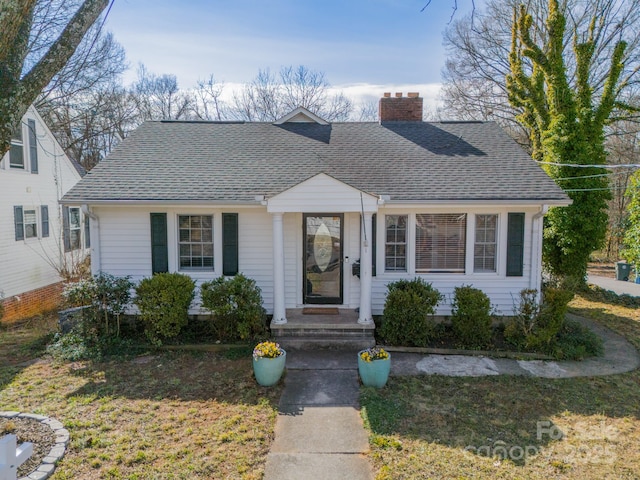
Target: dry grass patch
(171, 415)
(511, 427)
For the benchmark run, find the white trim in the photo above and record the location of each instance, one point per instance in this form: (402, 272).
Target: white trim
(301, 112)
(279, 301)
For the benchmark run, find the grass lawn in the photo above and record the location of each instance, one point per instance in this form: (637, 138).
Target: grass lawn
(511, 427)
(169, 415)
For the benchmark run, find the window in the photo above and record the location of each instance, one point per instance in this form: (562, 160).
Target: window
(30, 224)
(71, 228)
(195, 240)
(16, 156)
(26, 222)
(395, 247)
(74, 228)
(440, 243)
(485, 246)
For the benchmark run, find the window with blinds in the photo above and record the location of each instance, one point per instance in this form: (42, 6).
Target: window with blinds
(440, 242)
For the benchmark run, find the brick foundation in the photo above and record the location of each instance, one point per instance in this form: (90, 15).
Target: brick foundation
(32, 303)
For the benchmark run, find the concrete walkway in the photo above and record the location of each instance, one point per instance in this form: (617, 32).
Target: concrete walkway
(617, 286)
(319, 431)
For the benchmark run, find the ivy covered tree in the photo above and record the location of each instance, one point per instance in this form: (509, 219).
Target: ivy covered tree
(566, 123)
(20, 81)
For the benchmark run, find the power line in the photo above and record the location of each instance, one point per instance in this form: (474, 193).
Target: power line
(587, 176)
(577, 165)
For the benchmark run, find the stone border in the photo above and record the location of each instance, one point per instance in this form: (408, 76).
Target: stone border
(48, 465)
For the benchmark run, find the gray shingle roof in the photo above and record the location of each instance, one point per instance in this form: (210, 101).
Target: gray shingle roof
(234, 162)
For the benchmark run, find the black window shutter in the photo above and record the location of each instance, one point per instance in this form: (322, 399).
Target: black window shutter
(66, 234)
(229, 243)
(515, 245)
(33, 146)
(44, 218)
(18, 219)
(159, 250)
(87, 232)
(373, 245)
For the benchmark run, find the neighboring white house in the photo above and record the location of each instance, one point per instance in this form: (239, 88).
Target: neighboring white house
(35, 231)
(323, 213)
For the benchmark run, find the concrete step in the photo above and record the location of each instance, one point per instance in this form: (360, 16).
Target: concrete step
(325, 342)
(327, 331)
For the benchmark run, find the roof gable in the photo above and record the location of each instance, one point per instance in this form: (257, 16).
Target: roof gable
(322, 193)
(301, 115)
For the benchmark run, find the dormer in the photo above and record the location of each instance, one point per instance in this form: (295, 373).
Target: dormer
(301, 115)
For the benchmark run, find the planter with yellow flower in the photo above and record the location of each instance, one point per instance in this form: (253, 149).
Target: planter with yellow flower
(268, 363)
(374, 365)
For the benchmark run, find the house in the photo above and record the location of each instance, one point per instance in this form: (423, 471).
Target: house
(39, 239)
(323, 213)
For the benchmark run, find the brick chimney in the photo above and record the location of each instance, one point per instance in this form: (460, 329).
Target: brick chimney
(399, 108)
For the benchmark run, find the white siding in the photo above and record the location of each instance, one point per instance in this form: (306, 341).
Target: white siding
(502, 290)
(28, 264)
(352, 250)
(125, 243)
(322, 194)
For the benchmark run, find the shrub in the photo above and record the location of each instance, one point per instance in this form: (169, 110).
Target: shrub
(408, 310)
(536, 326)
(105, 298)
(163, 301)
(471, 316)
(575, 342)
(236, 306)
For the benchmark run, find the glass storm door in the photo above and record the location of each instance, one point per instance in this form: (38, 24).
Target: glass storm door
(322, 280)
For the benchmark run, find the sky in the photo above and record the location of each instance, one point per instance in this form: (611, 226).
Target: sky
(364, 47)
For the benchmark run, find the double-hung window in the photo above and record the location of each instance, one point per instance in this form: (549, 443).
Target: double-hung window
(485, 245)
(72, 228)
(195, 240)
(395, 247)
(440, 243)
(16, 152)
(30, 224)
(26, 220)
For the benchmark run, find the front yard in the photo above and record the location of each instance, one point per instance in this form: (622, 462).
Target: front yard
(169, 415)
(201, 415)
(512, 427)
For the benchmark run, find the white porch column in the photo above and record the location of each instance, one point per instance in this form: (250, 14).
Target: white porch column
(366, 243)
(279, 314)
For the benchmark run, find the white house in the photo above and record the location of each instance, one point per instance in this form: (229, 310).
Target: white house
(38, 238)
(323, 213)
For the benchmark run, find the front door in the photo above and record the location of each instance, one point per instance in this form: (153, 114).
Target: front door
(322, 279)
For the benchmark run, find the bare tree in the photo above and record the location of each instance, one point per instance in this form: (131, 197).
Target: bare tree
(158, 97)
(623, 145)
(208, 101)
(83, 103)
(90, 125)
(21, 82)
(269, 97)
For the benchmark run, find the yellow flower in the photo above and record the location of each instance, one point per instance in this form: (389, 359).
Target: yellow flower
(374, 353)
(267, 350)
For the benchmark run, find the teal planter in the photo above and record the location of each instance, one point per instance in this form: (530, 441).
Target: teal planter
(375, 373)
(269, 370)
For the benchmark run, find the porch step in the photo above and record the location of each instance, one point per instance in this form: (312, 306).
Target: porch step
(340, 331)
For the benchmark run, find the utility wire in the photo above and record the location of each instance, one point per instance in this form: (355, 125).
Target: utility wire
(577, 165)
